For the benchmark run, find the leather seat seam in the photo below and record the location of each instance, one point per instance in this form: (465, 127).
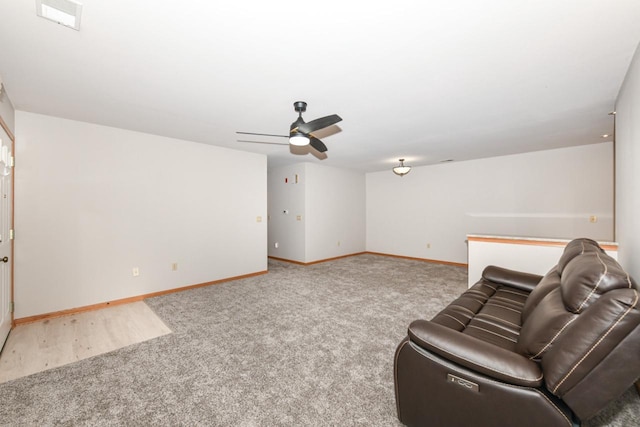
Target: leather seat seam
(508, 300)
(493, 333)
(497, 318)
(462, 307)
(495, 325)
(448, 315)
(514, 292)
(501, 306)
(604, 273)
(554, 337)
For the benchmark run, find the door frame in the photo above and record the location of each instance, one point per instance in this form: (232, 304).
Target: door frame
(12, 138)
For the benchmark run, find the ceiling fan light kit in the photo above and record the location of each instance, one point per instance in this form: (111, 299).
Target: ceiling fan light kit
(295, 138)
(298, 140)
(401, 169)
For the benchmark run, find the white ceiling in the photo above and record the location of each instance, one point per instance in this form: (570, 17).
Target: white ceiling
(423, 80)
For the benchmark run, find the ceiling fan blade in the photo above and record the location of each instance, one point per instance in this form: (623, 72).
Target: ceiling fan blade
(317, 144)
(262, 134)
(264, 142)
(320, 123)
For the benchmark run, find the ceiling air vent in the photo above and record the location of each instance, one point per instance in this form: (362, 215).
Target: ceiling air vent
(64, 12)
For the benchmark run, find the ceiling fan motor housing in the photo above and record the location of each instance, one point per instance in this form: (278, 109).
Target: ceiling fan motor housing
(300, 106)
(295, 125)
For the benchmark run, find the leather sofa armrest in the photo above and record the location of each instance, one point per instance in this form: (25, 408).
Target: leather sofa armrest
(515, 279)
(472, 353)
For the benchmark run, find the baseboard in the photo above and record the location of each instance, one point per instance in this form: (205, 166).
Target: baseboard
(435, 261)
(106, 304)
(315, 262)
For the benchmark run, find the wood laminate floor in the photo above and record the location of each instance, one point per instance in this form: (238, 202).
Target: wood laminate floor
(47, 344)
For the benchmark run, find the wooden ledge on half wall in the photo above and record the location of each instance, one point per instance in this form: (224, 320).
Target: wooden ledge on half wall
(535, 255)
(533, 241)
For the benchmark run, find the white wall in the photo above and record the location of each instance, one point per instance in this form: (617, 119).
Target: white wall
(336, 212)
(326, 216)
(627, 173)
(92, 202)
(542, 194)
(284, 228)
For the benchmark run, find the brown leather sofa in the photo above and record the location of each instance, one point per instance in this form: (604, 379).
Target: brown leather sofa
(518, 349)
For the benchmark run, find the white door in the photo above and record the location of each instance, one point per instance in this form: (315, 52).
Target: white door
(5, 239)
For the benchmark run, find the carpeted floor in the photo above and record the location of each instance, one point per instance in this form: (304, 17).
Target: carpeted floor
(299, 346)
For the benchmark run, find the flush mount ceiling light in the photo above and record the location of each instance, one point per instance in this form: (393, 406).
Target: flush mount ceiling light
(401, 169)
(64, 12)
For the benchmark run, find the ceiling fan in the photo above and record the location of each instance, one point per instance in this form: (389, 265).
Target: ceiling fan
(300, 131)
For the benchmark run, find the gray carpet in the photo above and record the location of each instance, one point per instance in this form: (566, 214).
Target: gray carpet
(299, 346)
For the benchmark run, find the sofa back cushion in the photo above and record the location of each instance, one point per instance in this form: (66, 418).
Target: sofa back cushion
(574, 248)
(589, 275)
(605, 328)
(549, 282)
(583, 274)
(544, 325)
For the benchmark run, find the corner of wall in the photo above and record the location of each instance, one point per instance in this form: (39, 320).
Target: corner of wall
(627, 157)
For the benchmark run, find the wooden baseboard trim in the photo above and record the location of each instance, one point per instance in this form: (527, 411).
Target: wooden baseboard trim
(315, 262)
(290, 261)
(434, 261)
(102, 305)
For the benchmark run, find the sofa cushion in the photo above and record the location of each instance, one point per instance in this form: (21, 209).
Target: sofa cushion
(589, 275)
(574, 248)
(487, 311)
(544, 325)
(548, 283)
(591, 339)
(515, 279)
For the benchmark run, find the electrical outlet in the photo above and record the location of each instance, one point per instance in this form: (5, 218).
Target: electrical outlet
(174, 266)
(135, 271)
(338, 242)
(276, 245)
(258, 219)
(428, 245)
(593, 219)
